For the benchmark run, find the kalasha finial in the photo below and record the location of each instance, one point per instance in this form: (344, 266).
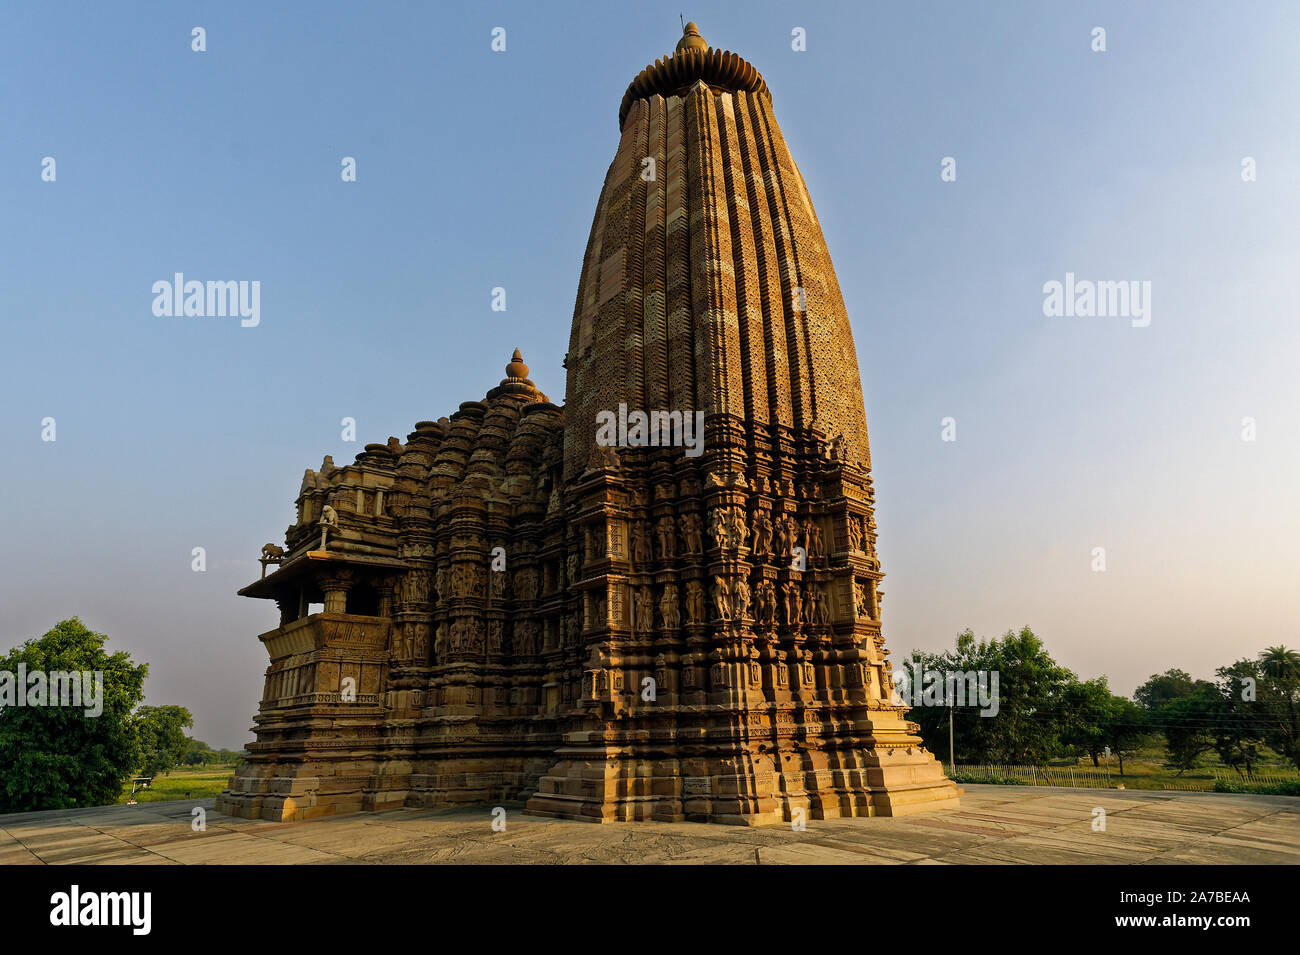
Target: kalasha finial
(517, 368)
(691, 41)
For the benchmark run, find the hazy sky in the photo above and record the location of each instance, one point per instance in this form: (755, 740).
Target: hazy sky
(478, 169)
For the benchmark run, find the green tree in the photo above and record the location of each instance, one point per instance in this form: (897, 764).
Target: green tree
(1277, 701)
(1237, 731)
(58, 757)
(1163, 687)
(1088, 707)
(1125, 726)
(1185, 711)
(162, 737)
(1188, 725)
(198, 753)
(1031, 691)
(1280, 663)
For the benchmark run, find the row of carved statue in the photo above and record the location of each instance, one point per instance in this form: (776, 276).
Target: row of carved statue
(733, 599)
(767, 604)
(728, 528)
(410, 641)
(731, 527)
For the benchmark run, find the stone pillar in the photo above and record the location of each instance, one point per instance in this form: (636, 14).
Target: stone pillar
(386, 588)
(336, 587)
(288, 609)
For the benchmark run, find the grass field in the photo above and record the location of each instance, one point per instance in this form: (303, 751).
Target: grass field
(202, 783)
(1145, 770)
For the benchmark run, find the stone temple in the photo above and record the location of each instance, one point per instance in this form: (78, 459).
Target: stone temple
(626, 620)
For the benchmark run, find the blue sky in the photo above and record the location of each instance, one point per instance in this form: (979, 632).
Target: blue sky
(479, 169)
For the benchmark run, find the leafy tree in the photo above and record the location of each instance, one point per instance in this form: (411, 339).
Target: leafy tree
(1124, 727)
(198, 753)
(1088, 707)
(1280, 663)
(1031, 699)
(1238, 733)
(1188, 723)
(1185, 710)
(162, 737)
(58, 757)
(1163, 687)
(1277, 700)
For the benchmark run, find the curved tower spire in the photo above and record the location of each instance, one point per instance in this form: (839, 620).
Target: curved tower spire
(707, 284)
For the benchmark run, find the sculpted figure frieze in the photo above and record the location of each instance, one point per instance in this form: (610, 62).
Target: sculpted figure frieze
(863, 596)
(642, 550)
(667, 532)
(644, 610)
(762, 534)
(722, 597)
(668, 607)
(692, 533)
(766, 594)
(696, 611)
(794, 604)
(784, 535)
(740, 598)
(718, 527)
(855, 533)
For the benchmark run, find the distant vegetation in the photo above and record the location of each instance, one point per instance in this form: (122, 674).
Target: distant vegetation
(199, 753)
(1246, 720)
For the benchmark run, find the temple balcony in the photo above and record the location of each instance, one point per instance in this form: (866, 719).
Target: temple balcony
(326, 659)
(333, 631)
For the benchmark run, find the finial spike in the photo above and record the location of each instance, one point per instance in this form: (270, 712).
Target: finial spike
(517, 368)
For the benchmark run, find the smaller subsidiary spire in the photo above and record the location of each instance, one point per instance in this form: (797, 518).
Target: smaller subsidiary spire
(516, 381)
(691, 40)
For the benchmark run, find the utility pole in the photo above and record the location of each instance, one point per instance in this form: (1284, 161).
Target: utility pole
(952, 760)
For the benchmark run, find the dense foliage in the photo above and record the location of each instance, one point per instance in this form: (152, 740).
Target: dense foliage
(58, 757)
(1043, 711)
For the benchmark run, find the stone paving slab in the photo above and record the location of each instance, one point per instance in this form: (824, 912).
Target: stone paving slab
(994, 825)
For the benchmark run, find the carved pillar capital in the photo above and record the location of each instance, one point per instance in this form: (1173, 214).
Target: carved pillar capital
(336, 586)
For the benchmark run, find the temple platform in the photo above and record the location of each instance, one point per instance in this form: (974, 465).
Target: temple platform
(995, 825)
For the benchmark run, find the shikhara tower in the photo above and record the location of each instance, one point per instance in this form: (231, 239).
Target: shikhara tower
(672, 637)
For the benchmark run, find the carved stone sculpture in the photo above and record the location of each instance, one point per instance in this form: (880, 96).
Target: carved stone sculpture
(667, 532)
(722, 597)
(644, 610)
(668, 607)
(695, 602)
(762, 534)
(740, 598)
(692, 529)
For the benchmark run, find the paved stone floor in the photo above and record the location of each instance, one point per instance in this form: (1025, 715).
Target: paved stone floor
(995, 824)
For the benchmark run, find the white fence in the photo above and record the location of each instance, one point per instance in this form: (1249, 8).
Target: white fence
(1100, 777)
